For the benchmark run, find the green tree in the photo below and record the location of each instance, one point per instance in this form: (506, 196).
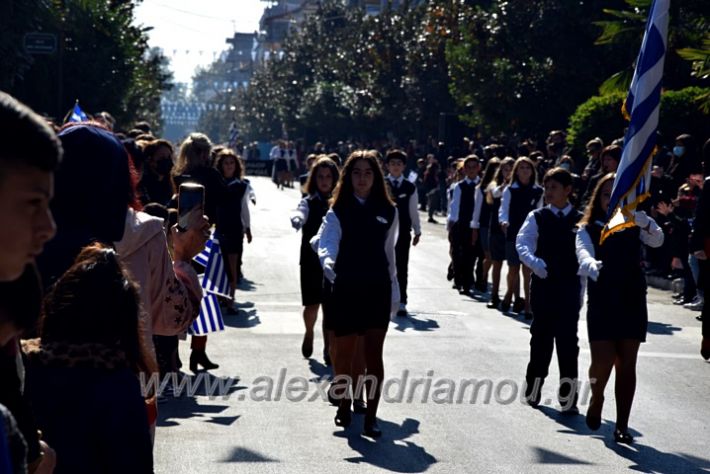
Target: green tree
(105, 62)
(523, 66)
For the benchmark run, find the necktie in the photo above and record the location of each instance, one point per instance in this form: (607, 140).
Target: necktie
(560, 214)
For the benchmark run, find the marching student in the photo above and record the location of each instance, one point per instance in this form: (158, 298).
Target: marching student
(546, 245)
(496, 236)
(357, 253)
(459, 223)
(519, 198)
(233, 218)
(405, 196)
(481, 220)
(617, 316)
(308, 218)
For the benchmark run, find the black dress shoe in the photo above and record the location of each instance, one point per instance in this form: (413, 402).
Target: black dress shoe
(343, 417)
(359, 407)
(623, 437)
(371, 430)
(493, 303)
(504, 306)
(307, 347)
(402, 313)
(518, 306)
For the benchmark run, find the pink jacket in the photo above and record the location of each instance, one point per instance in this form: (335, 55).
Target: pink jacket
(170, 292)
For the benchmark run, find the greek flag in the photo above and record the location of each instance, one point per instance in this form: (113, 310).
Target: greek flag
(215, 279)
(78, 115)
(233, 135)
(633, 177)
(203, 257)
(214, 283)
(210, 318)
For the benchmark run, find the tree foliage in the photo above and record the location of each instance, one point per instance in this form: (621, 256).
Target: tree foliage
(106, 62)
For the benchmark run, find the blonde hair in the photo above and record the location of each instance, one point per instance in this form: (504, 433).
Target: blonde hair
(194, 152)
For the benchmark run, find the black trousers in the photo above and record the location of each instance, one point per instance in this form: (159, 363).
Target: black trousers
(555, 307)
(466, 257)
(462, 255)
(401, 251)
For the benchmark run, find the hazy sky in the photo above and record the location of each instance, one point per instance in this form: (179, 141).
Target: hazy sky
(193, 32)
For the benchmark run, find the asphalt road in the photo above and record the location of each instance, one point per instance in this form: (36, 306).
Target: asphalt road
(451, 343)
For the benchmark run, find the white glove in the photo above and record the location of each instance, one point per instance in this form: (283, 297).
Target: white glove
(590, 268)
(539, 268)
(641, 219)
(296, 222)
(328, 271)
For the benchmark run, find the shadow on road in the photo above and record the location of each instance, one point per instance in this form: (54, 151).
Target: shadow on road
(392, 451)
(411, 322)
(648, 459)
(246, 455)
(662, 329)
(244, 319)
(645, 458)
(246, 284)
(320, 370)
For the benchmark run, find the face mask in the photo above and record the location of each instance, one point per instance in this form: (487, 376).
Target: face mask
(164, 167)
(564, 166)
(678, 150)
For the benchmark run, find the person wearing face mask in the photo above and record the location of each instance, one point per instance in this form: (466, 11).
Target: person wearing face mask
(684, 159)
(155, 185)
(610, 158)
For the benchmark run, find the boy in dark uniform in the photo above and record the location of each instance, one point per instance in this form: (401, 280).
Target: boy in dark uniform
(460, 225)
(546, 244)
(404, 194)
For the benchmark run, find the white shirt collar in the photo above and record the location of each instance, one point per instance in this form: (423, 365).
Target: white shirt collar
(359, 199)
(565, 210)
(395, 180)
(472, 181)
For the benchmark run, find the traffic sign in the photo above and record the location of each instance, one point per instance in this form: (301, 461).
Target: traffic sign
(40, 43)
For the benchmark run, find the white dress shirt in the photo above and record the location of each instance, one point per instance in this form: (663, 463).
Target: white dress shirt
(504, 210)
(455, 203)
(526, 241)
(413, 205)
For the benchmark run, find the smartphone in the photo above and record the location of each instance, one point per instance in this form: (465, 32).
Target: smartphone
(191, 202)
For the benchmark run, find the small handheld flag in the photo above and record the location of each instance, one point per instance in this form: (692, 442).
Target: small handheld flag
(215, 280)
(210, 318)
(633, 177)
(78, 115)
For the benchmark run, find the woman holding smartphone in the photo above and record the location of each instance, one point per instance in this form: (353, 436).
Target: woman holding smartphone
(193, 166)
(357, 253)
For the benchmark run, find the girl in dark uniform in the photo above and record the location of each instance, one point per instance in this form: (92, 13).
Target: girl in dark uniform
(496, 239)
(522, 196)
(233, 219)
(308, 217)
(617, 317)
(356, 250)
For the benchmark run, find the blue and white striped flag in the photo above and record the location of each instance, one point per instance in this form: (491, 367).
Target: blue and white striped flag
(215, 279)
(633, 177)
(233, 135)
(203, 257)
(210, 318)
(78, 115)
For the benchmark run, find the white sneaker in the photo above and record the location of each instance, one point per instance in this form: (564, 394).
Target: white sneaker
(695, 305)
